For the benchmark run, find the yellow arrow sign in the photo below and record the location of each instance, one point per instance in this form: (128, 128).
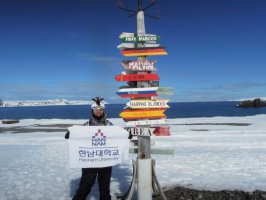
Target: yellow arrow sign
(142, 114)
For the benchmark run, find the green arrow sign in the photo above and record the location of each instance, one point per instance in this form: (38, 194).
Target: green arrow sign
(145, 38)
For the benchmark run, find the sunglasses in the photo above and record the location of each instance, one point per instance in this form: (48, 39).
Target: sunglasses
(97, 109)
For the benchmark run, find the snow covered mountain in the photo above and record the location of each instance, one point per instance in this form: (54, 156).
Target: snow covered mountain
(53, 102)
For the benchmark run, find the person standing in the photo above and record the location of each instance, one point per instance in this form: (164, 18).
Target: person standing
(89, 175)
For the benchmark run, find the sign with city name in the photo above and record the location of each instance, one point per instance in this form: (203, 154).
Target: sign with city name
(146, 122)
(140, 131)
(144, 38)
(126, 34)
(139, 65)
(144, 51)
(142, 114)
(97, 146)
(132, 45)
(133, 37)
(141, 103)
(137, 77)
(137, 92)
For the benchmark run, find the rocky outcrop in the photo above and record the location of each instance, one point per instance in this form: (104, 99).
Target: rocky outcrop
(182, 193)
(252, 103)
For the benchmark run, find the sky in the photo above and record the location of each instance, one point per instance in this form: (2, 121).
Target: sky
(53, 49)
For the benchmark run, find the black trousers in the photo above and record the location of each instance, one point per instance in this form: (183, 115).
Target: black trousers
(87, 180)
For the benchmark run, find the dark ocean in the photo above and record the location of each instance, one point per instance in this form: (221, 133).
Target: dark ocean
(176, 110)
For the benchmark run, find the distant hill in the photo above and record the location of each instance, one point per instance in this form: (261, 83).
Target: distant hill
(53, 102)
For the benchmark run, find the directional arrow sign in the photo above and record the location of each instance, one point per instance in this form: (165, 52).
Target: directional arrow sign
(126, 34)
(139, 65)
(144, 51)
(137, 77)
(133, 37)
(132, 45)
(146, 103)
(140, 131)
(142, 114)
(143, 38)
(146, 122)
(137, 92)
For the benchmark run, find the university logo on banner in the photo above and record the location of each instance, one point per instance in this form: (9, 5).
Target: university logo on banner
(99, 139)
(97, 146)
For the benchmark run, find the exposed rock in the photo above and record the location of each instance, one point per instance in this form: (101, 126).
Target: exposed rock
(178, 193)
(252, 103)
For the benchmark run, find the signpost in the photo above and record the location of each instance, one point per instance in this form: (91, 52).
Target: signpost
(142, 113)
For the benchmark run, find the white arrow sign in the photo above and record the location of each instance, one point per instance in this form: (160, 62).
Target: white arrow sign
(140, 131)
(139, 65)
(123, 46)
(125, 34)
(156, 103)
(146, 122)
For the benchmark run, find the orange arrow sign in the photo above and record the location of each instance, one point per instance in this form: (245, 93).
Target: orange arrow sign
(142, 114)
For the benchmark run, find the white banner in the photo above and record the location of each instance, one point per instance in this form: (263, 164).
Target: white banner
(97, 146)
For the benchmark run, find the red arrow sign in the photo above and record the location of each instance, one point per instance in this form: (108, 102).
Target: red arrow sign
(137, 77)
(144, 51)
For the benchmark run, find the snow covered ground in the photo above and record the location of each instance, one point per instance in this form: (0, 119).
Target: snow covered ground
(209, 153)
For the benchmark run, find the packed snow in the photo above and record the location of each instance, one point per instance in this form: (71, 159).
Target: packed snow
(207, 153)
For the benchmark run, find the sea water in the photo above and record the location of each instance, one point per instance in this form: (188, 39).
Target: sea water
(176, 110)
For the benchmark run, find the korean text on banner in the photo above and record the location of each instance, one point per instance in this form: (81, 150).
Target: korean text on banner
(97, 146)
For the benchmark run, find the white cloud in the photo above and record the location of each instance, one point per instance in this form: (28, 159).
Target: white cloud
(99, 57)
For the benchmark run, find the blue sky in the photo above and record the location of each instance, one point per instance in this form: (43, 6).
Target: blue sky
(67, 48)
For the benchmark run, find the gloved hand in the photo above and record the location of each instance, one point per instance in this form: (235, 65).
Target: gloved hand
(67, 135)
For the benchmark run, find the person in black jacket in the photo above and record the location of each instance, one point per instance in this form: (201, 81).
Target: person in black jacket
(89, 175)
